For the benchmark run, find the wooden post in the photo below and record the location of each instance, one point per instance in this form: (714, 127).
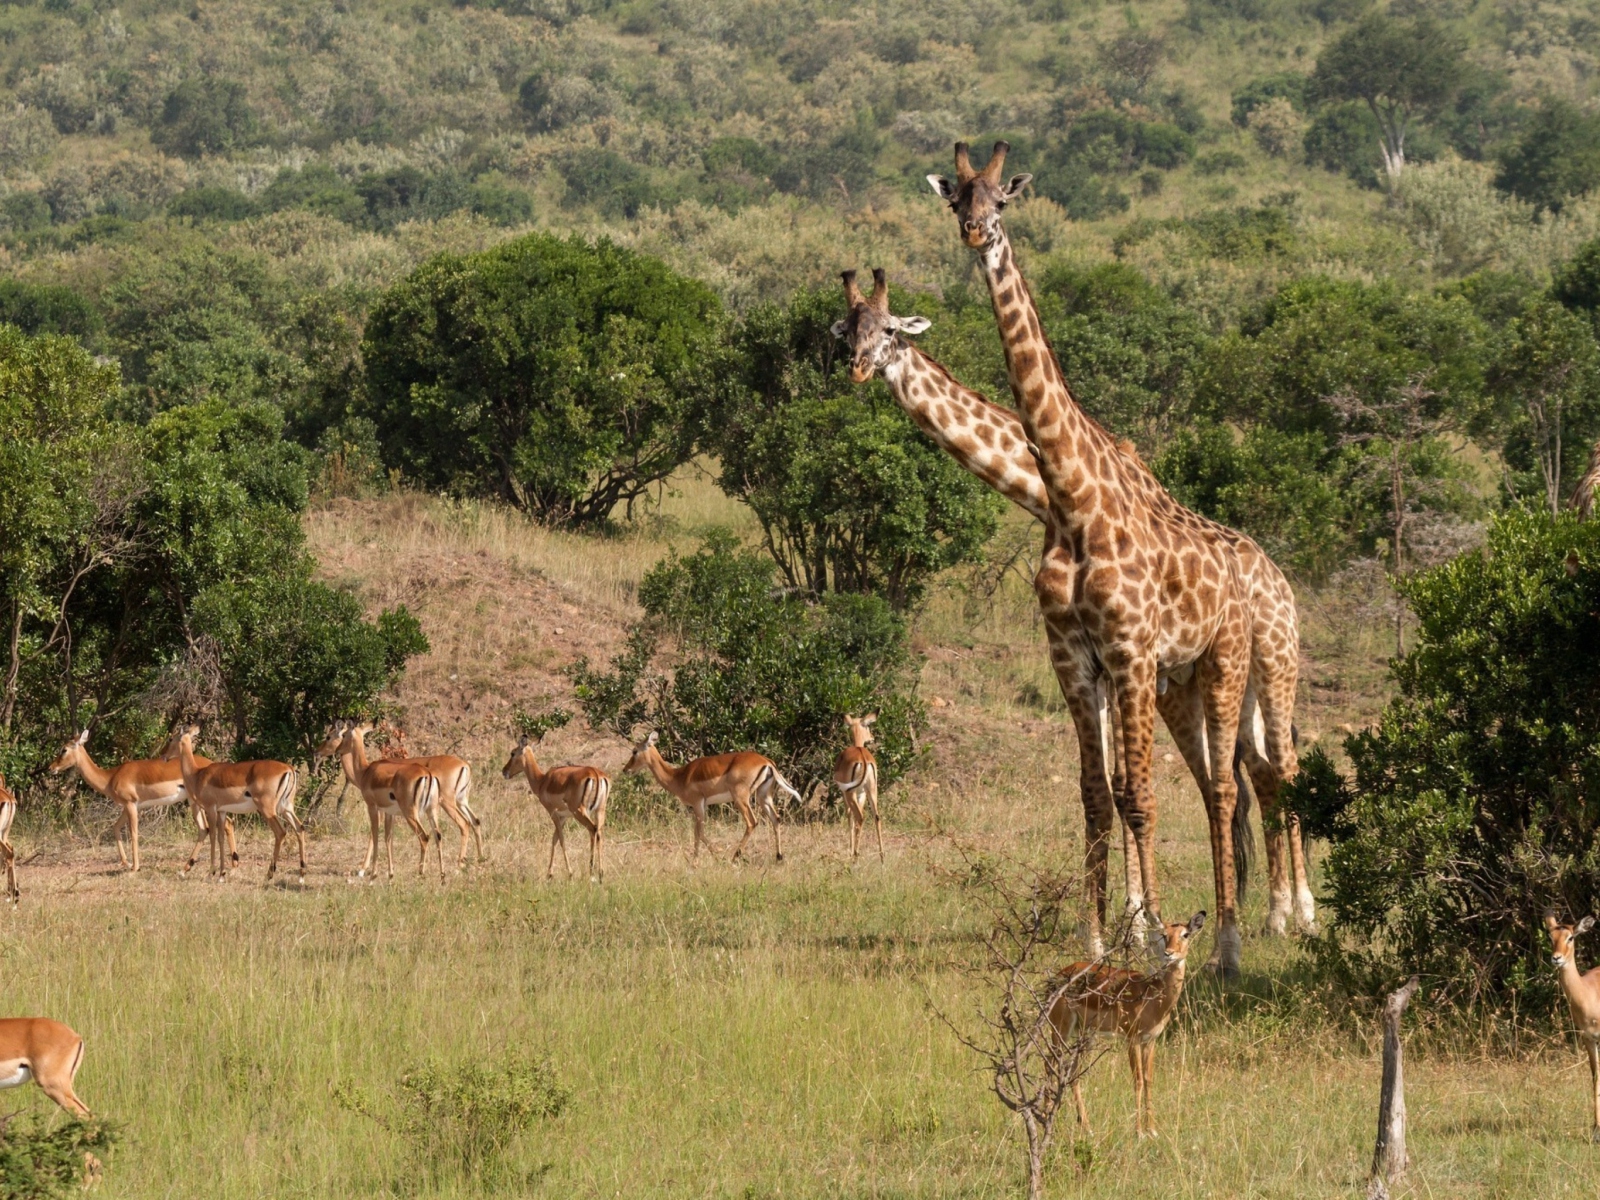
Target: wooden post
(1389, 1155)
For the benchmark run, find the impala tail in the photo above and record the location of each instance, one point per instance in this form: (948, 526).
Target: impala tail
(599, 791)
(288, 789)
(463, 794)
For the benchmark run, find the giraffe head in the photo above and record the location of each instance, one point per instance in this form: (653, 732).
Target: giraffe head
(868, 328)
(977, 197)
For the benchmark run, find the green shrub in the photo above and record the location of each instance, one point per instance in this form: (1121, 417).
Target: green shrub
(561, 377)
(464, 1118)
(45, 308)
(213, 204)
(1475, 802)
(40, 1163)
(1287, 85)
(757, 668)
(209, 115)
(1557, 157)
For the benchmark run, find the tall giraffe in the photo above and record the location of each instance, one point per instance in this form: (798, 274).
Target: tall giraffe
(988, 441)
(1136, 591)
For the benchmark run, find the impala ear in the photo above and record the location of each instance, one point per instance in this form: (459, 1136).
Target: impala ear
(839, 329)
(653, 738)
(1550, 921)
(1196, 921)
(945, 189)
(869, 719)
(83, 737)
(1585, 925)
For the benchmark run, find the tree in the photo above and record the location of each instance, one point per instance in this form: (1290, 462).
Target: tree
(46, 308)
(1557, 157)
(205, 116)
(562, 377)
(1401, 70)
(1473, 802)
(1542, 406)
(851, 496)
(757, 668)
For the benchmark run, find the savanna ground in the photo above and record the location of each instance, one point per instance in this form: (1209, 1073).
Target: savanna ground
(732, 1030)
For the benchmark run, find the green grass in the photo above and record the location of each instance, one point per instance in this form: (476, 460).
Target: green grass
(731, 1031)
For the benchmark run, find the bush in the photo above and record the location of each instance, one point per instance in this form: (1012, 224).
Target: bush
(1260, 92)
(464, 1118)
(1475, 802)
(213, 204)
(757, 668)
(39, 1163)
(851, 495)
(46, 308)
(561, 377)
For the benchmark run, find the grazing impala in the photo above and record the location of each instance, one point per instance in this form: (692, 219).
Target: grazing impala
(856, 773)
(138, 786)
(1583, 998)
(1105, 999)
(262, 786)
(392, 788)
(8, 856)
(45, 1051)
(576, 791)
(717, 779)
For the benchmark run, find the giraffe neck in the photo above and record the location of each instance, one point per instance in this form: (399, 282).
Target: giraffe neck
(983, 437)
(1075, 454)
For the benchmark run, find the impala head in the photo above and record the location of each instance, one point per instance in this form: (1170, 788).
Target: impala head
(354, 735)
(180, 734)
(1562, 938)
(7, 796)
(869, 329)
(329, 745)
(639, 760)
(69, 752)
(977, 197)
(1176, 939)
(860, 729)
(517, 763)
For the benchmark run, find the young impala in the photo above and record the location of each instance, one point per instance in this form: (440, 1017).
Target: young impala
(1134, 1004)
(718, 779)
(572, 791)
(1583, 998)
(454, 779)
(136, 787)
(45, 1051)
(392, 788)
(261, 786)
(8, 856)
(855, 772)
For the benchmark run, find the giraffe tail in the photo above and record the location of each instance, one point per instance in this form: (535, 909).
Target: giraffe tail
(1244, 837)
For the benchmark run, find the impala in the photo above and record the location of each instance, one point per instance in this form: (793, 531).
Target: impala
(262, 786)
(392, 788)
(717, 779)
(855, 771)
(1101, 999)
(45, 1051)
(8, 856)
(454, 777)
(1583, 998)
(576, 791)
(138, 786)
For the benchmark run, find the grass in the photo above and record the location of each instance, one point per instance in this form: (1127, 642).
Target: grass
(728, 1031)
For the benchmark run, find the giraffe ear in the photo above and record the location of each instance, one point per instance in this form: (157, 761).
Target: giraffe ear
(1014, 185)
(838, 329)
(945, 189)
(912, 325)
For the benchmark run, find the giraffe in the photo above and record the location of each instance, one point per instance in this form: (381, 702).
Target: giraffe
(1136, 591)
(1582, 501)
(988, 441)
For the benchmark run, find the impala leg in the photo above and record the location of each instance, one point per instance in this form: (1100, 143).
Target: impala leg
(205, 833)
(275, 823)
(388, 842)
(9, 857)
(561, 837)
(742, 803)
(417, 827)
(454, 813)
(370, 862)
(438, 840)
(1149, 1075)
(1077, 1100)
(116, 832)
(555, 836)
(57, 1084)
(853, 811)
(698, 812)
(1593, 1045)
(877, 818)
(233, 843)
(777, 832)
(133, 835)
(1136, 1065)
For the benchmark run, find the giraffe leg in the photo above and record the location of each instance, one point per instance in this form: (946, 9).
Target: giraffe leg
(1270, 758)
(1076, 675)
(1111, 749)
(1222, 679)
(1134, 678)
(1182, 709)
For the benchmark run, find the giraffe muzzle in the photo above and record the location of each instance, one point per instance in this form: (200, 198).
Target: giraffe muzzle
(860, 372)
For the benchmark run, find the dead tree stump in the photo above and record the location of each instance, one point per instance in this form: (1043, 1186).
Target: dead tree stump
(1389, 1155)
